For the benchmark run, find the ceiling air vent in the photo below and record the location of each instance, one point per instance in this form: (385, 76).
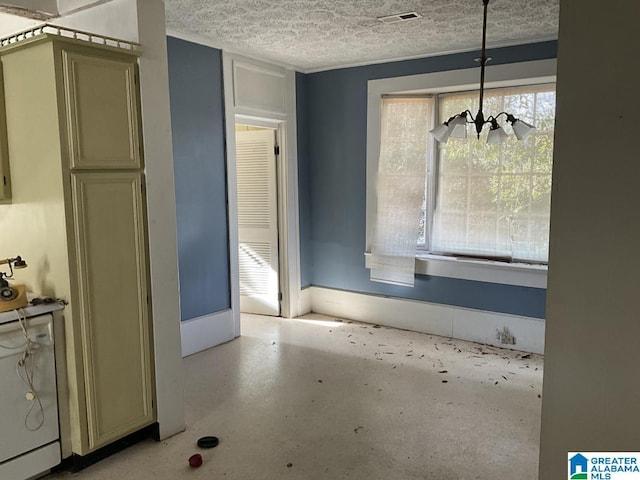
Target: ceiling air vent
(399, 17)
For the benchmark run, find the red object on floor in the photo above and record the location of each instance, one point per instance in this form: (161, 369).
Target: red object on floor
(195, 460)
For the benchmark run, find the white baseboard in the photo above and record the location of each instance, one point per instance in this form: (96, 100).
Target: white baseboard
(304, 301)
(207, 331)
(456, 322)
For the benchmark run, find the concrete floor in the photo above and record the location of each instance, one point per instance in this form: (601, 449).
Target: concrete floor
(316, 398)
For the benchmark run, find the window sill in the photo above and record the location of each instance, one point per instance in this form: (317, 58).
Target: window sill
(520, 274)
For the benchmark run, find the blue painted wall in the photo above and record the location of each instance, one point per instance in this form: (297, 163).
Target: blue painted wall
(333, 172)
(197, 125)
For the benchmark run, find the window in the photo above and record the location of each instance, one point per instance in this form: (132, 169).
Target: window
(493, 201)
(476, 206)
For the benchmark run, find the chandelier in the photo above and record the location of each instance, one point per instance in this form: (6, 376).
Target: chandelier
(456, 126)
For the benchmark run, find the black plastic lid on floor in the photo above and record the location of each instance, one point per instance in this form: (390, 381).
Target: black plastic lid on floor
(208, 442)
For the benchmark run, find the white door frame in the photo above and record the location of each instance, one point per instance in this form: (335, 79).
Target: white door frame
(279, 113)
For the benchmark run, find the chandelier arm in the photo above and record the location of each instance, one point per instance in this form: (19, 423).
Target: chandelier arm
(483, 55)
(480, 121)
(508, 115)
(468, 115)
(451, 118)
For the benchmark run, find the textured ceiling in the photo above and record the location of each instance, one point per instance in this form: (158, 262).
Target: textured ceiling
(317, 34)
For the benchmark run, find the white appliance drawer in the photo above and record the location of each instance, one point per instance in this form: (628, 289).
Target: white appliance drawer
(25, 426)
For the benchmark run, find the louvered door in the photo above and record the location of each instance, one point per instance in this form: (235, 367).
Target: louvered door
(257, 222)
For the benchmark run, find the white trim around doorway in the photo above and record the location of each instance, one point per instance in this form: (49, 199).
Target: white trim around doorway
(280, 113)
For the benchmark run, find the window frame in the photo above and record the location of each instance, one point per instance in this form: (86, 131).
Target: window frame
(507, 75)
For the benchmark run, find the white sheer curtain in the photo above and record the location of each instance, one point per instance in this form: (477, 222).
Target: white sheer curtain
(405, 123)
(494, 200)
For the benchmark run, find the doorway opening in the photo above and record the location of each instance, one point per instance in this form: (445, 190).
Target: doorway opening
(257, 153)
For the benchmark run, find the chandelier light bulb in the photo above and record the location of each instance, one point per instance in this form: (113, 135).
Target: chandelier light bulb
(441, 133)
(496, 135)
(522, 129)
(458, 127)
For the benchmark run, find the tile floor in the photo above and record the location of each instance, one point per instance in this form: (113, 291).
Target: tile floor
(317, 398)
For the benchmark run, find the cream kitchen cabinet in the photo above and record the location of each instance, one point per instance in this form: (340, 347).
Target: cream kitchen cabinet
(78, 215)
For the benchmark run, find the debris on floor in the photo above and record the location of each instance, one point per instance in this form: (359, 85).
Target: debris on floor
(208, 442)
(195, 460)
(505, 337)
(255, 394)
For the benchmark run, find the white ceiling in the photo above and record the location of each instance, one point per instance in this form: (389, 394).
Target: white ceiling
(320, 34)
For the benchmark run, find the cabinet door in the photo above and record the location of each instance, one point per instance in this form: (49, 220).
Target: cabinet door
(102, 111)
(112, 284)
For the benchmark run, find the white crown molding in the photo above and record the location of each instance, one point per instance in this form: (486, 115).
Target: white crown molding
(209, 42)
(527, 41)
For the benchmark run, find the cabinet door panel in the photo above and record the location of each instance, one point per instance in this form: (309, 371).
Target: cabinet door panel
(102, 112)
(112, 282)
